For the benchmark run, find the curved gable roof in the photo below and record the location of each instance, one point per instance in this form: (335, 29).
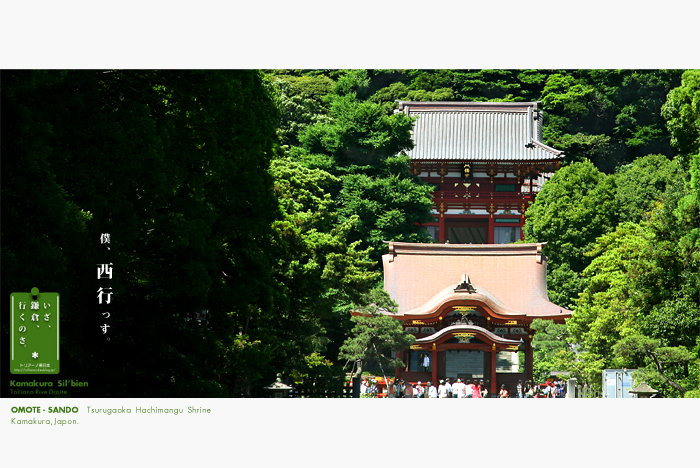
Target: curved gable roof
(450, 295)
(467, 328)
(510, 277)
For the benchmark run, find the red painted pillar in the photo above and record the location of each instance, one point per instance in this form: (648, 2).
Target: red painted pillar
(494, 385)
(443, 230)
(435, 364)
(491, 236)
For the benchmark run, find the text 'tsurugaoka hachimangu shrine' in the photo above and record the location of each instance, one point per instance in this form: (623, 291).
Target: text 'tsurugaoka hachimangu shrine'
(469, 298)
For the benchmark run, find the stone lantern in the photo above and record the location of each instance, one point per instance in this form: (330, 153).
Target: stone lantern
(643, 391)
(279, 389)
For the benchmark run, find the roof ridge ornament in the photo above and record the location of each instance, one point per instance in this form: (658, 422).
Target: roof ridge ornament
(465, 286)
(540, 257)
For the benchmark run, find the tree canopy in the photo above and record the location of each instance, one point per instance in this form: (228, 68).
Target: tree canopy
(174, 166)
(638, 300)
(264, 199)
(573, 208)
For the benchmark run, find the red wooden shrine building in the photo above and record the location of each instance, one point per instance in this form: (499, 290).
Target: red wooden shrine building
(470, 308)
(486, 162)
(469, 298)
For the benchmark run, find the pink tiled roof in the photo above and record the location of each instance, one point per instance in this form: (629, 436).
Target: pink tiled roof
(510, 278)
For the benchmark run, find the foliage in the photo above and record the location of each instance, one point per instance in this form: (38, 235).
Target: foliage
(668, 276)
(640, 184)
(666, 365)
(360, 132)
(610, 117)
(316, 266)
(300, 104)
(498, 85)
(388, 207)
(603, 314)
(375, 335)
(318, 371)
(640, 282)
(570, 212)
(270, 198)
(639, 300)
(173, 164)
(360, 142)
(682, 114)
(551, 348)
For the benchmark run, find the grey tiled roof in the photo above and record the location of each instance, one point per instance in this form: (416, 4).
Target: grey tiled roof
(478, 131)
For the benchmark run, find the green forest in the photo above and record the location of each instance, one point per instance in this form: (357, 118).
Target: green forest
(265, 197)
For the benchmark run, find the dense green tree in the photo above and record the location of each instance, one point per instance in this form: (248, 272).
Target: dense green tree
(638, 96)
(498, 85)
(665, 366)
(360, 143)
(572, 210)
(360, 133)
(640, 184)
(316, 267)
(604, 313)
(641, 283)
(551, 348)
(173, 164)
(682, 114)
(667, 279)
(375, 335)
(630, 115)
(300, 102)
(394, 92)
(388, 207)
(610, 117)
(577, 118)
(39, 215)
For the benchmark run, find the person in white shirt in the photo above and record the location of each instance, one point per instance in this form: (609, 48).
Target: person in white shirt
(442, 390)
(459, 389)
(546, 390)
(419, 393)
(363, 387)
(449, 388)
(426, 362)
(432, 391)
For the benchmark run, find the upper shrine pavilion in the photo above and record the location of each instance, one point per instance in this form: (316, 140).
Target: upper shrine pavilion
(469, 298)
(486, 161)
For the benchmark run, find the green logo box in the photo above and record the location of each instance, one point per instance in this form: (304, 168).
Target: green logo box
(34, 333)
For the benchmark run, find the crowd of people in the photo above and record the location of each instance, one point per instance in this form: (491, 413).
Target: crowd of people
(463, 389)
